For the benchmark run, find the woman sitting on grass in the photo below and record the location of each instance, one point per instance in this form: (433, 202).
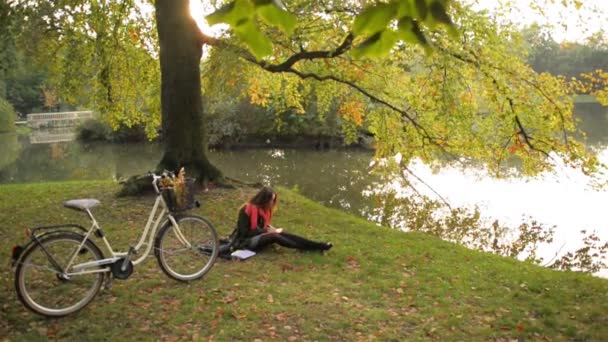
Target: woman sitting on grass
(254, 231)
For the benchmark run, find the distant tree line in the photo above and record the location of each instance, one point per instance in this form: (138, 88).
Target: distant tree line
(586, 61)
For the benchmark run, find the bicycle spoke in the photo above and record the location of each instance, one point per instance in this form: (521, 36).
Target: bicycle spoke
(180, 252)
(43, 267)
(49, 292)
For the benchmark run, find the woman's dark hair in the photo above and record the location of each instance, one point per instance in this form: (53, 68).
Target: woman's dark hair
(263, 198)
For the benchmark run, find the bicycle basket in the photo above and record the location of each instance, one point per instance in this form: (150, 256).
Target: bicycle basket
(180, 197)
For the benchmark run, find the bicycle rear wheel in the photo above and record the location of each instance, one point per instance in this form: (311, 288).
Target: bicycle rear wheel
(44, 289)
(189, 252)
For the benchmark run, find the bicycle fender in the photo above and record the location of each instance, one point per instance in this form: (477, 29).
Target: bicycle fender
(16, 258)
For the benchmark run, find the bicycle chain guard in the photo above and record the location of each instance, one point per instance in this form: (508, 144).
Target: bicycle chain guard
(117, 270)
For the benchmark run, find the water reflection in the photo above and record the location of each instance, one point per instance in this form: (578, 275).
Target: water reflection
(50, 136)
(564, 198)
(593, 120)
(10, 149)
(334, 178)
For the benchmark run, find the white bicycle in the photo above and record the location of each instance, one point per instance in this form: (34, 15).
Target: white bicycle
(60, 269)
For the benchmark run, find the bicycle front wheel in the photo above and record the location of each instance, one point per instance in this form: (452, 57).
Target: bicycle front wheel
(187, 251)
(44, 289)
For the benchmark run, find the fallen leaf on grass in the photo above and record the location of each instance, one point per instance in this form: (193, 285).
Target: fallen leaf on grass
(237, 315)
(219, 312)
(170, 338)
(352, 262)
(228, 299)
(52, 331)
(42, 331)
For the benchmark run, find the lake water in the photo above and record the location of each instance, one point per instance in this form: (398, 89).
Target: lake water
(340, 178)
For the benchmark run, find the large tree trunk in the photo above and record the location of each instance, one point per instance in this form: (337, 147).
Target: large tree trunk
(183, 129)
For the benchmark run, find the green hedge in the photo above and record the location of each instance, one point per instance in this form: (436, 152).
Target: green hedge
(7, 116)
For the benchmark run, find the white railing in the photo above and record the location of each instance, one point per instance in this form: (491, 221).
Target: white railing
(61, 119)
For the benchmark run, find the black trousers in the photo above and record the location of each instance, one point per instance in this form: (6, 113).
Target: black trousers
(261, 241)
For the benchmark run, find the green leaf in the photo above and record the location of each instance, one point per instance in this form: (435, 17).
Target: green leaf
(272, 14)
(221, 15)
(258, 3)
(409, 31)
(374, 19)
(421, 9)
(376, 46)
(439, 13)
(232, 13)
(406, 8)
(257, 42)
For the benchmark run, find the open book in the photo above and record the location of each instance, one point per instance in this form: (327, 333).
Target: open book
(242, 254)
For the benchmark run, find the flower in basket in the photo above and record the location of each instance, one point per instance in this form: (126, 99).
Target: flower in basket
(166, 182)
(181, 190)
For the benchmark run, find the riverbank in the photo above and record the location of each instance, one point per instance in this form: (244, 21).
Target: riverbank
(376, 283)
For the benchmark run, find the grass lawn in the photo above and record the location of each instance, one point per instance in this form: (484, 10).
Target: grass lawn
(375, 284)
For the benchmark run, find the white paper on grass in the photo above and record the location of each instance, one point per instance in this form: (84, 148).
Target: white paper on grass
(243, 254)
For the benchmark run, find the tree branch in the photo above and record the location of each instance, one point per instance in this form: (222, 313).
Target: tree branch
(421, 130)
(405, 168)
(528, 138)
(477, 64)
(311, 55)
(208, 40)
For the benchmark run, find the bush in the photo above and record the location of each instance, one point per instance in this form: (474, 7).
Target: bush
(94, 130)
(129, 134)
(7, 116)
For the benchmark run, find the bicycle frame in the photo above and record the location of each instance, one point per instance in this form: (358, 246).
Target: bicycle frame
(154, 221)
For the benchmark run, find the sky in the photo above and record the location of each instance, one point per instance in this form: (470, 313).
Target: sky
(567, 23)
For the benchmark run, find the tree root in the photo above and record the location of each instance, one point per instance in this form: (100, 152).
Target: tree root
(135, 186)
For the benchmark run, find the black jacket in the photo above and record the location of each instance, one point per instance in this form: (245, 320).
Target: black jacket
(243, 231)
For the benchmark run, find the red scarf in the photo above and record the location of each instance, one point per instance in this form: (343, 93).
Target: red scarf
(253, 211)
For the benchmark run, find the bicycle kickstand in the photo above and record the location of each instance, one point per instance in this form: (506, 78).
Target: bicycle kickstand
(127, 259)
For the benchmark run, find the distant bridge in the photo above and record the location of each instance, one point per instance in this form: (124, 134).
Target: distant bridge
(54, 120)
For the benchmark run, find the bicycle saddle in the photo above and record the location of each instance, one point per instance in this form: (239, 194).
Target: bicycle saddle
(81, 204)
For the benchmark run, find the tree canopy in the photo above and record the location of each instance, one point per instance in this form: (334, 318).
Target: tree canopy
(430, 79)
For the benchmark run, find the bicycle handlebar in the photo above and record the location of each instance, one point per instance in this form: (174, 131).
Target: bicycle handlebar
(156, 178)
